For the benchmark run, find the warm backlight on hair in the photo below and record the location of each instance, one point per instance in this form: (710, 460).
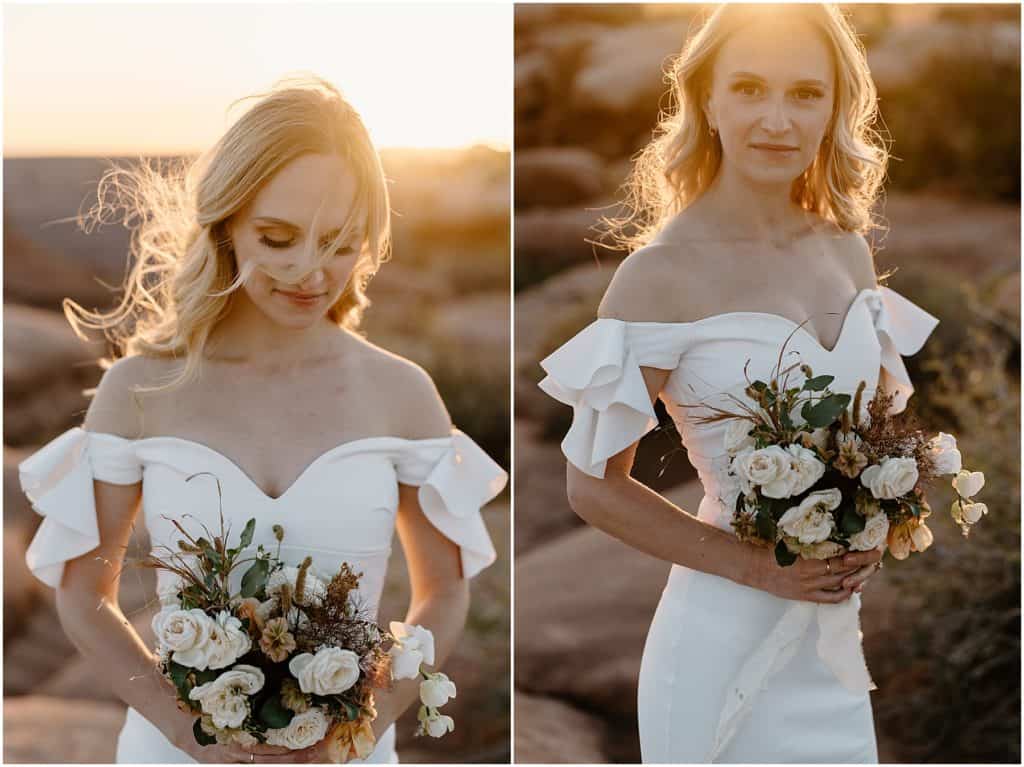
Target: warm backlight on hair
(89, 79)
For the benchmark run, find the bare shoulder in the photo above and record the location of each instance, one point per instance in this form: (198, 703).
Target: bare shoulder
(856, 257)
(651, 284)
(404, 391)
(118, 407)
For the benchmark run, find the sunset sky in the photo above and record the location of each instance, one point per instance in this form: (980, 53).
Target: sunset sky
(88, 79)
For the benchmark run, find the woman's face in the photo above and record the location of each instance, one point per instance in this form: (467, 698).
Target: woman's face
(771, 99)
(281, 231)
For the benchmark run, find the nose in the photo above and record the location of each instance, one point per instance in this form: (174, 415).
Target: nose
(312, 280)
(775, 120)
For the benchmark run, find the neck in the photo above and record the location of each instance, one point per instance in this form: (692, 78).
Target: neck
(745, 210)
(248, 336)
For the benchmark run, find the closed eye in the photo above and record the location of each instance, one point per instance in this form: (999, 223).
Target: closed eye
(276, 243)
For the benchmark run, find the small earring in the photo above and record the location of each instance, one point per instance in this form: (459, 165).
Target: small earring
(714, 130)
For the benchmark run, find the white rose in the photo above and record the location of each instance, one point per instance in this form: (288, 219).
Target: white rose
(413, 645)
(303, 731)
(945, 453)
(435, 724)
(807, 468)
(437, 690)
(811, 521)
(769, 468)
(331, 671)
(968, 483)
(891, 478)
(181, 632)
(736, 437)
(226, 697)
(874, 534)
(227, 642)
(314, 588)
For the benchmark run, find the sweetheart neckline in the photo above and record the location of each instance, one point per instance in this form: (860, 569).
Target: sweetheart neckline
(839, 340)
(309, 466)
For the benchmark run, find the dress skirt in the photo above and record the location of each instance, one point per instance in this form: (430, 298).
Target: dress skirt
(703, 630)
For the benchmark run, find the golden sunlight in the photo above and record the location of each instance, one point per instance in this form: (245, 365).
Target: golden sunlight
(92, 79)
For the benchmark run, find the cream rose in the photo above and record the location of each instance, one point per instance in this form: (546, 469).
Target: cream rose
(968, 483)
(874, 534)
(945, 453)
(225, 699)
(227, 642)
(807, 468)
(304, 730)
(413, 645)
(436, 690)
(769, 468)
(891, 478)
(736, 437)
(331, 671)
(185, 633)
(811, 521)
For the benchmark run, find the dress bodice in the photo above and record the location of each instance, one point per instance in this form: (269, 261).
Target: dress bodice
(342, 508)
(598, 373)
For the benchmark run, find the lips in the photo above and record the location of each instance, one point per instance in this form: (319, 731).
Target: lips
(301, 296)
(775, 147)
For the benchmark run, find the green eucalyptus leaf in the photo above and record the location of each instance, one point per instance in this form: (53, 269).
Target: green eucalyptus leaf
(822, 413)
(255, 578)
(246, 539)
(851, 523)
(818, 383)
(274, 714)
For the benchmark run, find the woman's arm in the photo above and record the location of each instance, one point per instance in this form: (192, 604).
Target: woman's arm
(439, 598)
(643, 519)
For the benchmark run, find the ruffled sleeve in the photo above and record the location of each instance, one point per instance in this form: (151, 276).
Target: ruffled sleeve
(58, 479)
(455, 479)
(597, 373)
(902, 327)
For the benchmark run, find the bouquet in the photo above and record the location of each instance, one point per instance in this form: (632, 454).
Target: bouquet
(840, 480)
(290, 659)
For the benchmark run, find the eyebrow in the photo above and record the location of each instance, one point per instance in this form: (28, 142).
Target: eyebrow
(327, 236)
(752, 76)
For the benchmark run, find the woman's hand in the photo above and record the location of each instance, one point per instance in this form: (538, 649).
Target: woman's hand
(828, 581)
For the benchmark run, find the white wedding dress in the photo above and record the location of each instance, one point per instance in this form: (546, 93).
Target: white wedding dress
(341, 508)
(731, 673)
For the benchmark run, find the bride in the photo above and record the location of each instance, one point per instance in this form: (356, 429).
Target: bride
(748, 210)
(239, 357)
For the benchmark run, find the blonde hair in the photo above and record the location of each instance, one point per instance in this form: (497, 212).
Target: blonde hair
(184, 270)
(677, 166)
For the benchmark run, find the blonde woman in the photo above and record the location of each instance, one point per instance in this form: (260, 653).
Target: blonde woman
(239, 357)
(749, 208)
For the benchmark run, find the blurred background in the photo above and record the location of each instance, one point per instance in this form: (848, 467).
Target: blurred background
(941, 631)
(88, 83)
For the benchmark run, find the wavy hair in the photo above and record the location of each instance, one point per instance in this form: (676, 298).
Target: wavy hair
(677, 166)
(184, 270)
